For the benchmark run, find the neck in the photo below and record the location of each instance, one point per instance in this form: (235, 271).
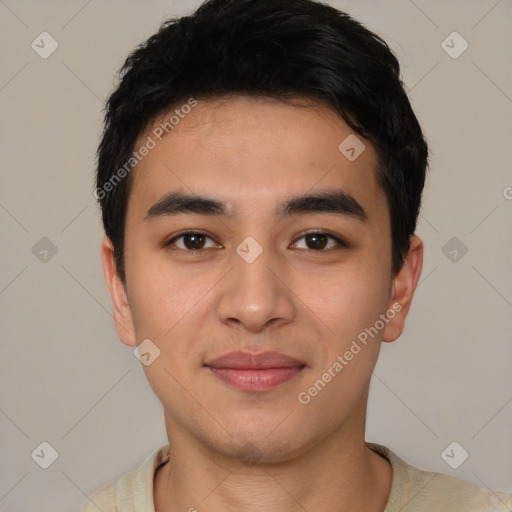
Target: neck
(339, 473)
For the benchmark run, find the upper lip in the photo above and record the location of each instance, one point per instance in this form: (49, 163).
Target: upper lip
(250, 360)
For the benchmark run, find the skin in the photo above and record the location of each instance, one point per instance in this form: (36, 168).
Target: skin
(253, 154)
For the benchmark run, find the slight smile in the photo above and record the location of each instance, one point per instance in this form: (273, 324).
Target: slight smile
(255, 371)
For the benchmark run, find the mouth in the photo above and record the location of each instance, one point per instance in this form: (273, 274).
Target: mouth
(255, 371)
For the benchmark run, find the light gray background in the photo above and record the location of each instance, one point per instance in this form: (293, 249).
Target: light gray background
(67, 379)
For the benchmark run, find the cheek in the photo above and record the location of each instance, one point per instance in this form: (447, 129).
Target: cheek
(332, 399)
(170, 305)
(348, 301)
(160, 295)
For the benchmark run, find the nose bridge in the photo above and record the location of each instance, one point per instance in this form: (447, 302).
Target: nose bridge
(254, 293)
(252, 262)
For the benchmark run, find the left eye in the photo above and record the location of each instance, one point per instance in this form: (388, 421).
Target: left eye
(195, 241)
(319, 240)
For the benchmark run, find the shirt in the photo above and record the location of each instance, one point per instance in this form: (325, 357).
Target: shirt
(412, 489)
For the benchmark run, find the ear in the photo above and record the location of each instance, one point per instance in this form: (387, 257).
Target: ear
(121, 308)
(404, 285)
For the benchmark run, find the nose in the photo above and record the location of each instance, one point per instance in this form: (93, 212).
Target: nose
(256, 293)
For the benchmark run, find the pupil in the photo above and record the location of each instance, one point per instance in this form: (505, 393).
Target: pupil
(194, 241)
(316, 237)
(194, 244)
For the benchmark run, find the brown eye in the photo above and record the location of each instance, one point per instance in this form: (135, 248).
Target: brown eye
(191, 241)
(318, 241)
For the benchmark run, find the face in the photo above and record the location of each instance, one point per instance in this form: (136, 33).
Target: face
(254, 276)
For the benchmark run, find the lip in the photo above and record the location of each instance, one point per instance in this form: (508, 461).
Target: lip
(254, 361)
(255, 371)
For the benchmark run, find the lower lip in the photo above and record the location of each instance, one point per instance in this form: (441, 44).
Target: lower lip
(256, 380)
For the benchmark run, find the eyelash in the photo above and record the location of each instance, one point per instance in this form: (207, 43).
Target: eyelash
(330, 235)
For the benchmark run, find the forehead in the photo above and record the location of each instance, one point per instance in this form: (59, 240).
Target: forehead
(252, 153)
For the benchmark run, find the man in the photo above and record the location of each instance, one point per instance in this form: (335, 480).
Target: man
(260, 177)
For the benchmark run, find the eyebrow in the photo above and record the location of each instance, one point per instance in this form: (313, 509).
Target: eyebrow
(333, 201)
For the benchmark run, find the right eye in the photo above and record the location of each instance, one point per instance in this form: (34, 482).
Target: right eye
(191, 241)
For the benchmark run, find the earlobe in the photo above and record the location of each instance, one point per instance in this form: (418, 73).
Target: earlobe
(404, 286)
(121, 308)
